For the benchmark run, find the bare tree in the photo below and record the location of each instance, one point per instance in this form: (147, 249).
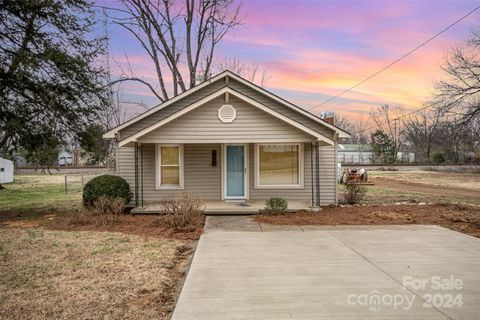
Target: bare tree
(360, 135)
(388, 120)
(342, 122)
(179, 36)
(420, 130)
(119, 109)
(459, 93)
(250, 71)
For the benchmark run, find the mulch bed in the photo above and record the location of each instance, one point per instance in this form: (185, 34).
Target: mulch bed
(462, 218)
(143, 225)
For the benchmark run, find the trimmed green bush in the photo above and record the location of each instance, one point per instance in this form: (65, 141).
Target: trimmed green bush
(276, 205)
(438, 157)
(107, 186)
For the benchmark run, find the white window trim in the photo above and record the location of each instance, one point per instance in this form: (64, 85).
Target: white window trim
(301, 172)
(158, 182)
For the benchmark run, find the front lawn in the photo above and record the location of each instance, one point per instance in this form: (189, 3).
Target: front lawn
(58, 262)
(88, 275)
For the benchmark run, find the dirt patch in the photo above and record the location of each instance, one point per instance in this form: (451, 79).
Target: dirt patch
(50, 274)
(431, 190)
(462, 218)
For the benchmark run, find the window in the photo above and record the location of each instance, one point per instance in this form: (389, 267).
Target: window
(279, 165)
(169, 167)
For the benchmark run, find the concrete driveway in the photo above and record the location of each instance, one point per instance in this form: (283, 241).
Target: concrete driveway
(242, 270)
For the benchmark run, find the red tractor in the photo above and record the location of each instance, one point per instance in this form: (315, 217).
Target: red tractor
(354, 176)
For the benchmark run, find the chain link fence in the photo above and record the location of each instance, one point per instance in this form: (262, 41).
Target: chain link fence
(73, 183)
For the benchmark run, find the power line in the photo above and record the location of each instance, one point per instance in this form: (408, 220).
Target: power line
(395, 119)
(397, 60)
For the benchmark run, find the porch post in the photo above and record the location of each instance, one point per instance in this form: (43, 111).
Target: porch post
(141, 170)
(336, 167)
(312, 150)
(136, 174)
(317, 175)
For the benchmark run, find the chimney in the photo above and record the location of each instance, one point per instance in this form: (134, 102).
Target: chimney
(330, 120)
(328, 116)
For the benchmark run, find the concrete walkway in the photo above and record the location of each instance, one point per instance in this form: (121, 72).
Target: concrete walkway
(356, 272)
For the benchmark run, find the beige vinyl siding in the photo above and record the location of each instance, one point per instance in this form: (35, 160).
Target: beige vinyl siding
(203, 126)
(171, 109)
(280, 108)
(203, 179)
(327, 174)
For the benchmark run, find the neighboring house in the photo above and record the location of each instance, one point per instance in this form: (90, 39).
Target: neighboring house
(228, 139)
(6, 171)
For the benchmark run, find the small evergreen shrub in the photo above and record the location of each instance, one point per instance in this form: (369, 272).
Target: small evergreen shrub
(354, 193)
(108, 186)
(276, 205)
(438, 157)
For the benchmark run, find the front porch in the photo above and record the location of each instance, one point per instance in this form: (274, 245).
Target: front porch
(219, 207)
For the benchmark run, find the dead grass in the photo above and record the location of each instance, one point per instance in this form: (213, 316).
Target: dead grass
(88, 275)
(462, 218)
(467, 180)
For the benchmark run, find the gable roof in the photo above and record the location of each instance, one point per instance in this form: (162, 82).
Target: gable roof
(111, 133)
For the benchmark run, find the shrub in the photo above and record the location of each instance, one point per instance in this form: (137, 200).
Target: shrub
(78, 217)
(184, 210)
(108, 209)
(106, 185)
(276, 205)
(438, 157)
(354, 193)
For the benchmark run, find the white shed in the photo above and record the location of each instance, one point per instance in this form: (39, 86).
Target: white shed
(6, 171)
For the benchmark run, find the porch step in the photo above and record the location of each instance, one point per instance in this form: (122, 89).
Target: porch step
(230, 211)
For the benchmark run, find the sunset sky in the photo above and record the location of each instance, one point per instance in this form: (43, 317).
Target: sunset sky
(315, 49)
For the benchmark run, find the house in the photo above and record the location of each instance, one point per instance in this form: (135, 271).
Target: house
(229, 141)
(65, 158)
(6, 171)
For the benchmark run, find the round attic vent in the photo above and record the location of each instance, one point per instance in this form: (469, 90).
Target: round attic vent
(227, 113)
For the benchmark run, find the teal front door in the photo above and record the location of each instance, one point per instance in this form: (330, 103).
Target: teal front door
(235, 170)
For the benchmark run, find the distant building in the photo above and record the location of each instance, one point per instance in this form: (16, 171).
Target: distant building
(363, 154)
(355, 153)
(6, 171)
(65, 158)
